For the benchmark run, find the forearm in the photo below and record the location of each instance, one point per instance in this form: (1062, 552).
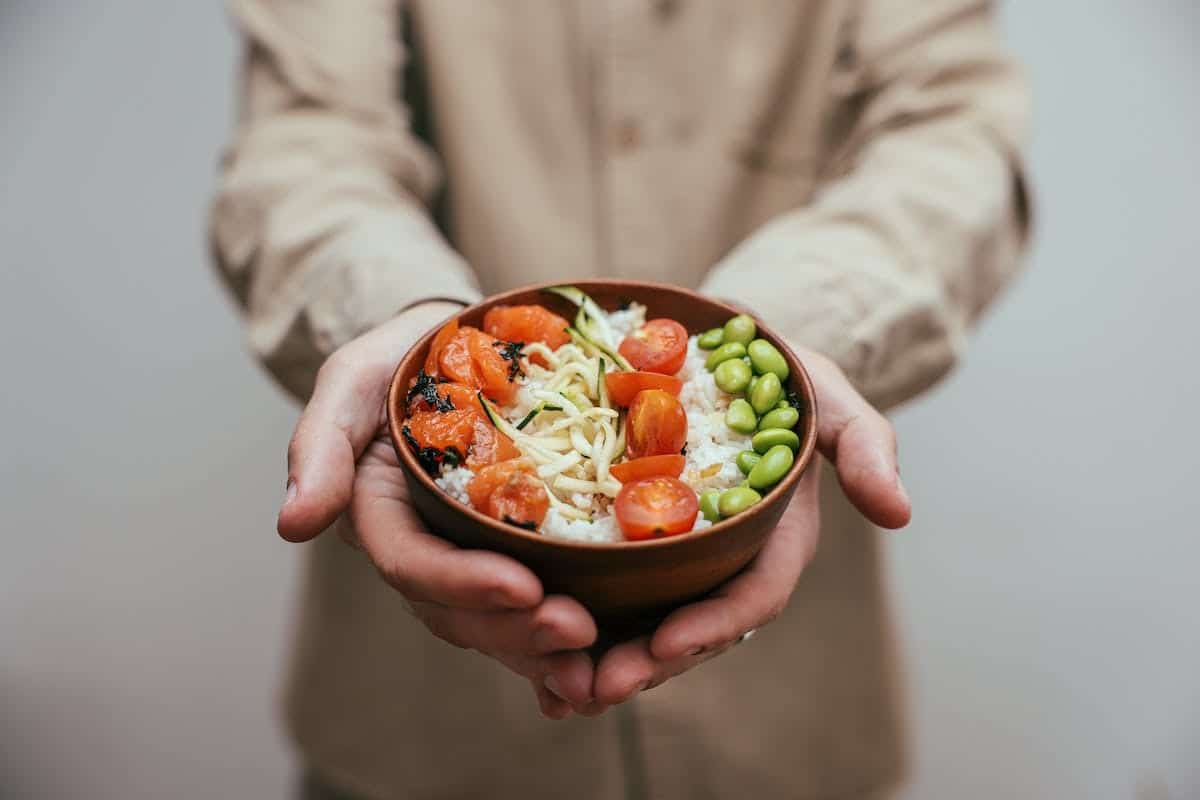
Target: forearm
(319, 224)
(898, 255)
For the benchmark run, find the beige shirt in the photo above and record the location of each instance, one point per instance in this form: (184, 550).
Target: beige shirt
(849, 169)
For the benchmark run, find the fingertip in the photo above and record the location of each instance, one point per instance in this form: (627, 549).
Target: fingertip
(513, 585)
(569, 677)
(623, 672)
(571, 625)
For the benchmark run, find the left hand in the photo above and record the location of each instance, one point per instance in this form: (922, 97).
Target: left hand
(861, 445)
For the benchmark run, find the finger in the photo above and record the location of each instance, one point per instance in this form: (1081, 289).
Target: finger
(861, 443)
(427, 568)
(338, 423)
(630, 668)
(557, 624)
(756, 595)
(551, 706)
(344, 413)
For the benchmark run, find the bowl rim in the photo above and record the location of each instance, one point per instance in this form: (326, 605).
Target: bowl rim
(799, 375)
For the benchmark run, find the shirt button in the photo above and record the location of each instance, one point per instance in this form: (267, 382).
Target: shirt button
(627, 135)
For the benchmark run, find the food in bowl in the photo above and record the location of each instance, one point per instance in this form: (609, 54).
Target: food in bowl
(606, 428)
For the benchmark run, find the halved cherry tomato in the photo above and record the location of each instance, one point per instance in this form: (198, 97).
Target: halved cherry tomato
(658, 346)
(494, 373)
(624, 386)
(656, 424)
(655, 507)
(461, 395)
(510, 491)
(440, 340)
(489, 446)
(527, 324)
(454, 359)
(444, 429)
(648, 467)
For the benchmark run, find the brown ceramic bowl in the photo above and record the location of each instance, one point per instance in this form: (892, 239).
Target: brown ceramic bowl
(626, 585)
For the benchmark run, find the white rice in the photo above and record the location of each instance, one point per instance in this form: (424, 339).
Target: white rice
(454, 483)
(711, 445)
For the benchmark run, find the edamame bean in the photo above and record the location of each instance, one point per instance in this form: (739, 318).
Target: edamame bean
(741, 417)
(771, 468)
(732, 376)
(766, 394)
(765, 440)
(708, 505)
(750, 386)
(710, 339)
(736, 500)
(783, 404)
(740, 329)
(779, 417)
(724, 353)
(746, 460)
(766, 359)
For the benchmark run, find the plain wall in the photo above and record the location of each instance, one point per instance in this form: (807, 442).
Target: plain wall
(1046, 590)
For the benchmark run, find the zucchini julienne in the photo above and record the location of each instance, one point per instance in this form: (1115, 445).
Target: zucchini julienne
(590, 323)
(533, 412)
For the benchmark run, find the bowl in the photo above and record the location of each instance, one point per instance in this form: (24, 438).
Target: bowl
(627, 586)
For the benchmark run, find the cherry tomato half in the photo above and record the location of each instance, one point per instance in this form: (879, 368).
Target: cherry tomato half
(656, 424)
(527, 324)
(648, 467)
(658, 346)
(624, 386)
(655, 507)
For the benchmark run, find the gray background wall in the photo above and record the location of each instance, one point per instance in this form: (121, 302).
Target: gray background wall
(1047, 589)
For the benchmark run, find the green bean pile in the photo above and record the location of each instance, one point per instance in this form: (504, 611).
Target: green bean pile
(755, 371)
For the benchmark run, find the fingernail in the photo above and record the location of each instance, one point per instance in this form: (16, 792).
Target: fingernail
(901, 489)
(695, 651)
(291, 491)
(643, 686)
(553, 687)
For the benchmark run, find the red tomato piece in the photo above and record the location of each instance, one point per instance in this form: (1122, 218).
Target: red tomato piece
(527, 324)
(490, 446)
(658, 346)
(624, 386)
(440, 340)
(510, 491)
(655, 507)
(648, 467)
(656, 424)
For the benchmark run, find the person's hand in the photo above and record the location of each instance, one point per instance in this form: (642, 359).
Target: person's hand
(861, 445)
(341, 460)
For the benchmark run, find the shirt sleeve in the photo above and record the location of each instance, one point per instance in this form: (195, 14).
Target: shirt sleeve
(921, 217)
(319, 224)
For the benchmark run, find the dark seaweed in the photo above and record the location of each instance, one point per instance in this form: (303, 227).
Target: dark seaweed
(451, 457)
(512, 352)
(426, 388)
(794, 401)
(528, 525)
(623, 304)
(430, 457)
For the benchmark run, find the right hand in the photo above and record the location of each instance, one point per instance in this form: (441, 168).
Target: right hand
(341, 460)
